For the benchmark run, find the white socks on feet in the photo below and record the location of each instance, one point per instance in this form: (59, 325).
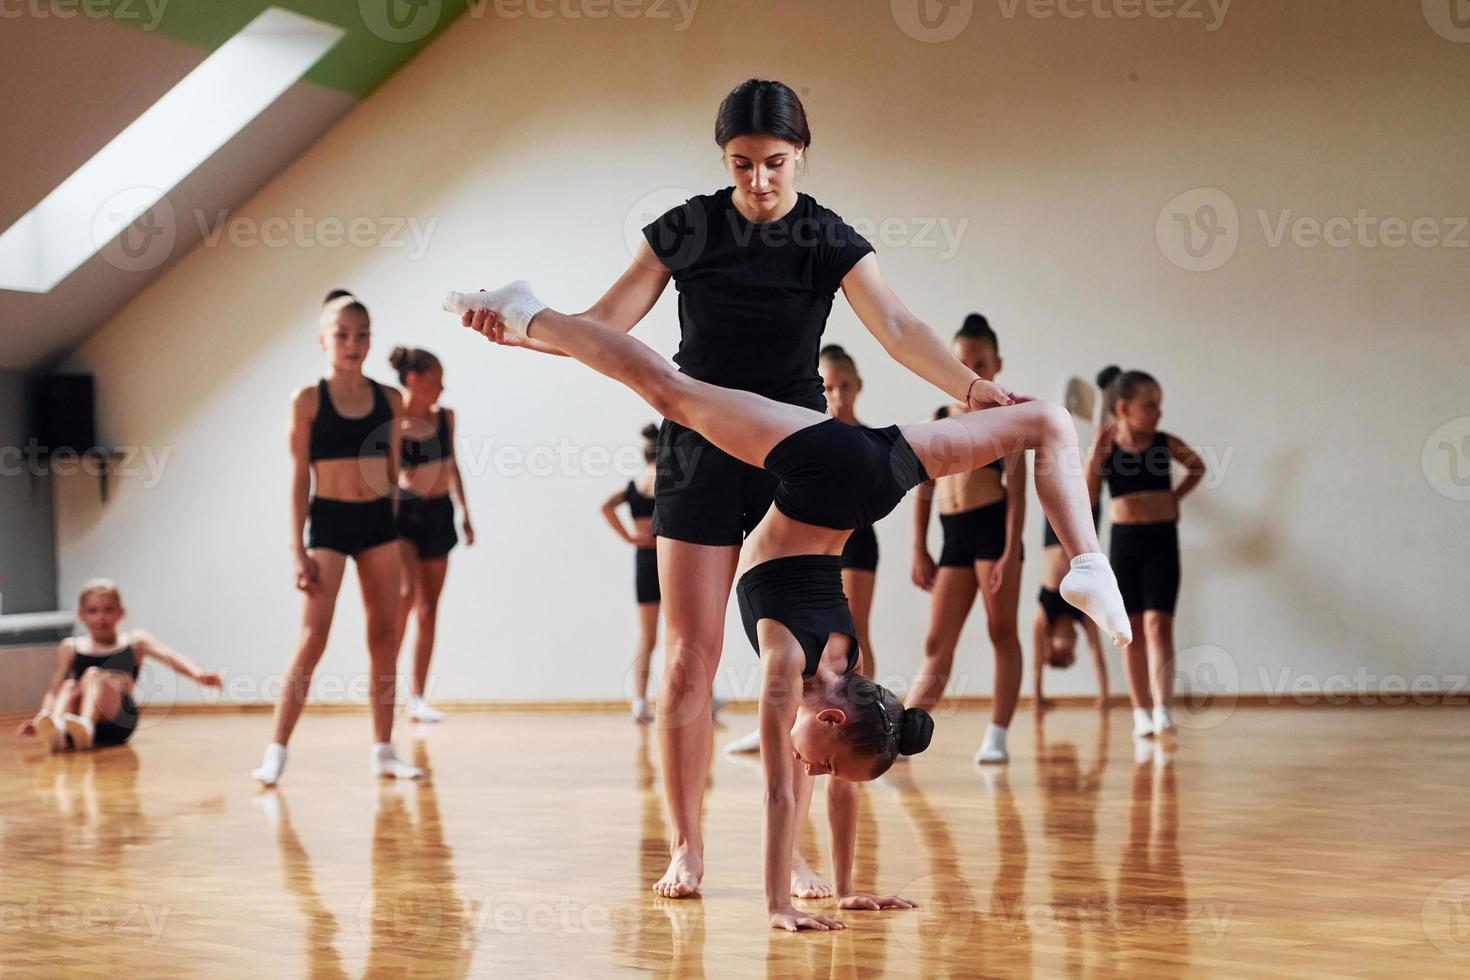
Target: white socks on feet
(993, 747)
(270, 768)
(1092, 588)
(745, 743)
(389, 766)
(1143, 723)
(419, 710)
(514, 305)
(1163, 721)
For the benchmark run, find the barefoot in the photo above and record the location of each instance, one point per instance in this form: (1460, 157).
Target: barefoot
(806, 883)
(686, 870)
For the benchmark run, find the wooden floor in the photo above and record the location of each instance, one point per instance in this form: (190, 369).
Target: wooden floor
(1279, 843)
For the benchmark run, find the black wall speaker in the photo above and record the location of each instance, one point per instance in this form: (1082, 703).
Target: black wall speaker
(63, 413)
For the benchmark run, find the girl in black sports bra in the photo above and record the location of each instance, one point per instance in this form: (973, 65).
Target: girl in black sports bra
(344, 450)
(89, 702)
(981, 514)
(830, 478)
(1133, 457)
(637, 496)
(429, 487)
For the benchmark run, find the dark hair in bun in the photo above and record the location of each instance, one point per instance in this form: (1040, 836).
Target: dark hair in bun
(411, 360)
(976, 327)
(650, 442)
(879, 725)
(914, 731)
(337, 294)
(758, 107)
(1120, 386)
(837, 354)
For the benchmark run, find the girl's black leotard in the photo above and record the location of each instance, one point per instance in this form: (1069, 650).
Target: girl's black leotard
(804, 594)
(836, 475)
(119, 728)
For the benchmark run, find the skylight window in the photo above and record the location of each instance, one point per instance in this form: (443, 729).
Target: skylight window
(160, 148)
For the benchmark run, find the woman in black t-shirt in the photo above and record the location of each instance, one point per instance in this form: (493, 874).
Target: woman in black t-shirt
(756, 266)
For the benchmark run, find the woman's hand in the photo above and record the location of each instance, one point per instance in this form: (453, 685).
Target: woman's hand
(924, 570)
(988, 394)
(874, 903)
(793, 921)
(469, 532)
(306, 573)
(1009, 562)
(488, 325)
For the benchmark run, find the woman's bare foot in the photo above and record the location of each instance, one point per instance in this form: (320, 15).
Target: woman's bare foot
(806, 883)
(686, 871)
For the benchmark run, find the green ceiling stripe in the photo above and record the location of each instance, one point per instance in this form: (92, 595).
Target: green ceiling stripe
(382, 35)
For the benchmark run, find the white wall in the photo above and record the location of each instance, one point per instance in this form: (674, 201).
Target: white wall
(1318, 372)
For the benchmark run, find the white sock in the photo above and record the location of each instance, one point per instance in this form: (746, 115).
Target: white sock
(1143, 723)
(271, 767)
(386, 764)
(419, 710)
(513, 304)
(745, 743)
(1092, 588)
(993, 746)
(1163, 721)
(641, 714)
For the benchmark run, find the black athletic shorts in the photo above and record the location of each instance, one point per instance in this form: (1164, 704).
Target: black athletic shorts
(861, 551)
(645, 575)
(974, 535)
(350, 526)
(1145, 559)
(428, 524)
(704, 495)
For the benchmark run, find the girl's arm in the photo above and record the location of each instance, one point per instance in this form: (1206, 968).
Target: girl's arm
(780, 695)
(1102, 445)
(1016, 478)
(610, 513)
(842, 808)
(1190, 459)
(456, 485)
(924, 568)
(395, 444)
(149, 648)
(911, 342)
(1040, 643)
(303, 410)
(620, 308)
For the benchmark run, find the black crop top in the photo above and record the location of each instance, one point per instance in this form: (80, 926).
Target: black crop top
(754, 298)
(335, 437)
(640, 505)
(942, 412)
(804, 594)
(123, 661)
(1130, 472)
(417, 452)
